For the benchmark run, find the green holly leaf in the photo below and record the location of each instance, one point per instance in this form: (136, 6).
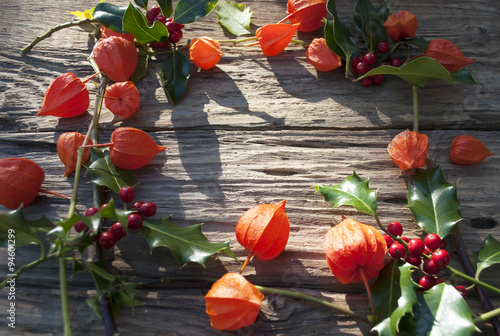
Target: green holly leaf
(369, 22)
(463, 76)
(166, 7)
(110, 16)
(393, 296)
(488, 255)
(135, 22)
(188, 11)
(174, 75)
(352, 191)
(105, 173)
(234, 17)
(417, 72)
(142, 3)
(15, 228)
(187, 244)
(141, 69)
(433, 201)
(337, 36)
(440, 310)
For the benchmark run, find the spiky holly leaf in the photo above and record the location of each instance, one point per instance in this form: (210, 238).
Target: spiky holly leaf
(24, 231)
(488, 255)
(187, 244)
(369, 22)
(352, 191)
(440, 310)
(234, 17)
(433, 201)
(105, 173)
(174, 75)
(393, 296)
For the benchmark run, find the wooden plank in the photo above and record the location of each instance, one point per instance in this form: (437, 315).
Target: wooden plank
(252, 130)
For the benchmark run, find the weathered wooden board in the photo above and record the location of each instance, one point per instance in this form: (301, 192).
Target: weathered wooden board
(252, 130)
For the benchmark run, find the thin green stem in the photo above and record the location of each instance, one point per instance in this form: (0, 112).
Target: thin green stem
(473, 280)
(486, 316)
(302, 296)
(52, 30)
(415, 107)
(63, 283)
(239, 41)
(368, 292)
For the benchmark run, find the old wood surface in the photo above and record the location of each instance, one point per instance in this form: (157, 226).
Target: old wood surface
(253, 130)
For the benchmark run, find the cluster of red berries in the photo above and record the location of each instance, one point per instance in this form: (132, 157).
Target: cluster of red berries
(362, 64)
(107, 239)
(430, 254)
(174, 29)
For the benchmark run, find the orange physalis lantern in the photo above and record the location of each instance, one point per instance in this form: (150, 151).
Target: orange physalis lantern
(401, 25)
(273, 38)
(409, 149)
(20, 182)
(67, 147)
(67, 96)
(447, 54)
(132, 148)
(354, 250)
(263, 231)
(233, 302)
(467, 150)
(205, 52)
(116, 57)
(308, 13)
(122, 99)
(106, 32)
(321, 57)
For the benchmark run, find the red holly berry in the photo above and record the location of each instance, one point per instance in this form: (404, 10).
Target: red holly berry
(362, 68)
(395, 228)
(153, 12)
(134, 221)
(427, 282)
(383, 47)
(416, 246)
(127, 194)
(91, 211)
(137, 205)
(415, 260)
(396, 62)
(81, 226)
(432, 241)
(462, 291)
(367, 82)
(430, 267)
(441, 258)
(148, 209)
(117, 231)
(388, 240)
(106, 240)
(397, 250)
(370, 58)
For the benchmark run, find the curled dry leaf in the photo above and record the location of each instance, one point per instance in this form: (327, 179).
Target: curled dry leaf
(233, 302)
(67, 149)
(67, 96)
(116, 57)
(409, 149)
(401, 25)
(273, 38)
(20, 182)
(263, 231)
(205, 52)
(468, 150)
(122, 99)
(321, 57)
(106, 32)
(447, 54)
(354, 248)
(308, 13)
(132, 148)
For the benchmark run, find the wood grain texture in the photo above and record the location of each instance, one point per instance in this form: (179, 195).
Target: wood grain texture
(253, 130)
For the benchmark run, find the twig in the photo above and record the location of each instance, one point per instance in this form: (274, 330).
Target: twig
(52, 30)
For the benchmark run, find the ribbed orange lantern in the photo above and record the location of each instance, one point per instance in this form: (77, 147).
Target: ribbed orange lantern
(467, 150)
(122, 99)
(67, 147)
(20, 182)
(321, 57)
(354, 251)
(116, 57)
(205, 52)
(308, 13)
(409, 149)
(263, 231)
(273, 38)
(106, 32)
(447, 54)
(233, 302)
(401, 25)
